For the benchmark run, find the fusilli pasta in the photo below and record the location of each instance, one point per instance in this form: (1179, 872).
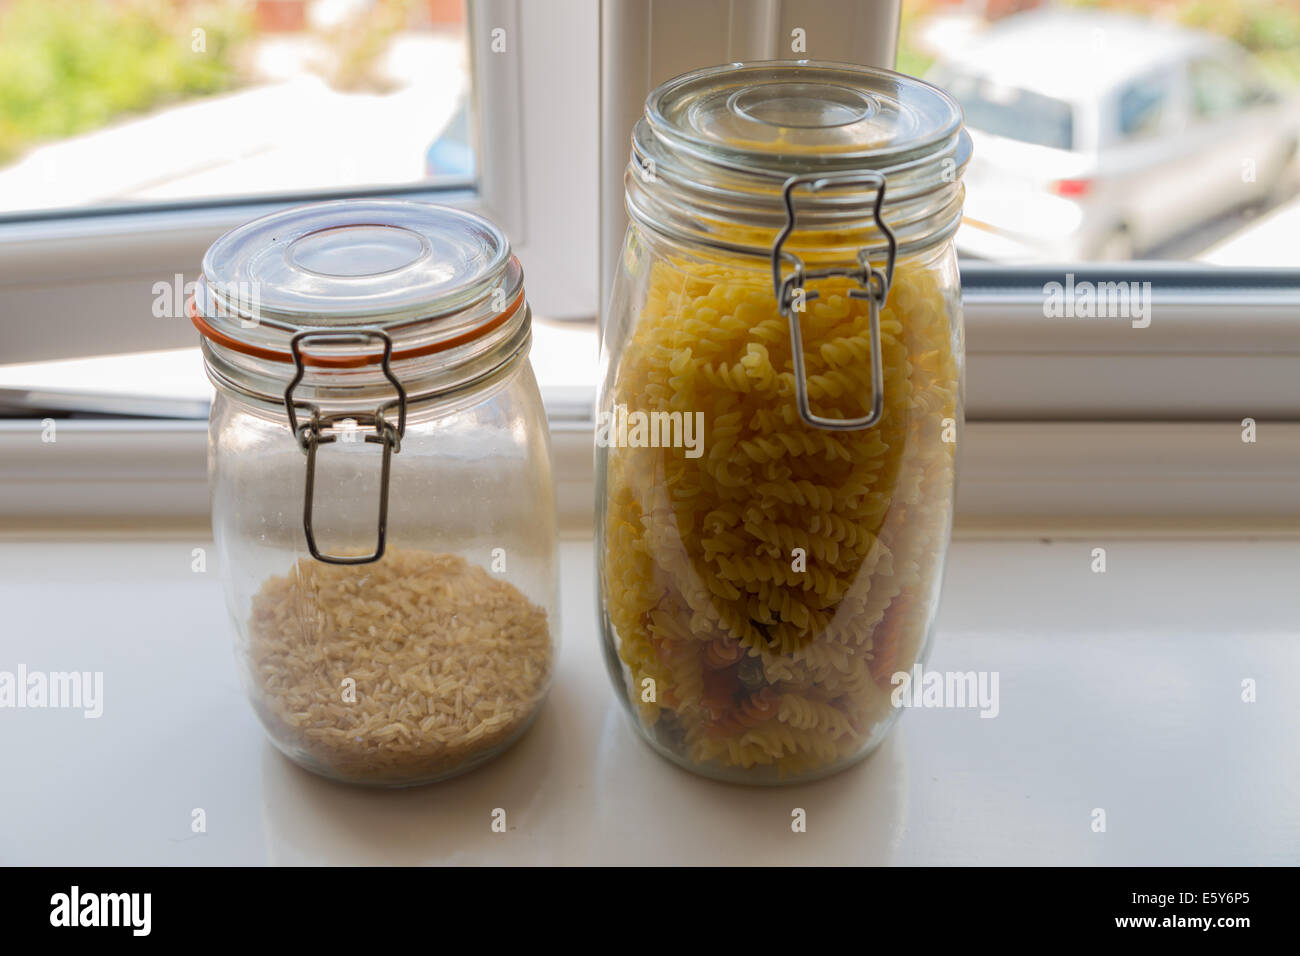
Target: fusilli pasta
(770, 587)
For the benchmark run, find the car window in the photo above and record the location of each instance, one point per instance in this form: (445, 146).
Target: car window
(1142, 108)
(1012, 112)
(1218, 88)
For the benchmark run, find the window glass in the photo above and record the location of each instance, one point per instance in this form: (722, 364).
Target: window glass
(1218, 88)
(1142, 108)
(1014, 113)
(1109, 130)
(104, 102)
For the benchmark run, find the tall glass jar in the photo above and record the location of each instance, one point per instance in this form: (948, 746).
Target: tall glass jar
(779, 412)
(382, 503)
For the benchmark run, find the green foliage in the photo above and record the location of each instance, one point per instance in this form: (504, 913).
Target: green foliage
(1258, 25)
(74, 65)
(360, 42)
(910, 58)
(1269, 29)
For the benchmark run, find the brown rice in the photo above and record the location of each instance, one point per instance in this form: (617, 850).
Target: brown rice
(449, 664)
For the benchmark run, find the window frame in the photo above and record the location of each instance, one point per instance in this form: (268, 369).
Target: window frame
(1223, 344)
(1076, 419)
(88, 274)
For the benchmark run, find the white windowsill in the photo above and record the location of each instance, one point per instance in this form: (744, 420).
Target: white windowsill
(144, 478)
(1119, 691)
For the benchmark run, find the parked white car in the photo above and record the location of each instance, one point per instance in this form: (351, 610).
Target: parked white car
(1100, 135)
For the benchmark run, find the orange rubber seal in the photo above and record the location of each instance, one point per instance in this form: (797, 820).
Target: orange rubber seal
(347, 361)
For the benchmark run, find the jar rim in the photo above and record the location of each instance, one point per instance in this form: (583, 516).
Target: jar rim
(210, 331)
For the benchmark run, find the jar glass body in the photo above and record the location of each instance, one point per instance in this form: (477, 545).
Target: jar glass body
(763, 580)
(436, 657)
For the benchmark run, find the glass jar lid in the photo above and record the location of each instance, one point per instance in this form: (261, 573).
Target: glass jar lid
(431, 277)
(764, 116)
(716, 148)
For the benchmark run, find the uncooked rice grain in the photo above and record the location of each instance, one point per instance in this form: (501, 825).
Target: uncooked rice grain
(449, 663)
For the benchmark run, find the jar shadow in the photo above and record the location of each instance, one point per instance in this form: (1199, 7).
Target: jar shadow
(649, 811)
(639, 809)
(312, 821)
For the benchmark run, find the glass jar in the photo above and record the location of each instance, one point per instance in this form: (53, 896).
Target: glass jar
(382, 503)
(779, 411)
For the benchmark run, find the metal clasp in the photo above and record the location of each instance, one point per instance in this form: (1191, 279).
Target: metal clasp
(875, 289)
(311, 434)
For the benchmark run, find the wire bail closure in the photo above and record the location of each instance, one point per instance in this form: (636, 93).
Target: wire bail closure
(875, 289)
(311, 434)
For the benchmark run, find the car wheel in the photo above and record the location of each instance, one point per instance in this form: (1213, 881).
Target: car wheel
(1118, 246)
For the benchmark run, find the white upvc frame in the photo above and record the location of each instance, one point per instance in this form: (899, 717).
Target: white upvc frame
(88, 277)
(1137, 478)
(1218, 344)
(1073, 422)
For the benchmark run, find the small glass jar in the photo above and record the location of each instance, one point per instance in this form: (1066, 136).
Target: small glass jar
(779, 412)
(382, 503)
